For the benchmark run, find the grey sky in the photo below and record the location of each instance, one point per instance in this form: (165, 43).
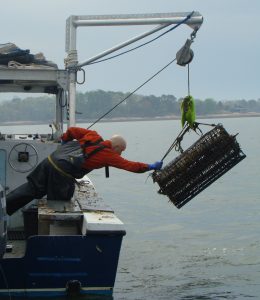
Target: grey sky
(226, 64)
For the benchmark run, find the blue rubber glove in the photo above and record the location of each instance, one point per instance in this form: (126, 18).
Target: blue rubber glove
(62, 142)
(155, 166)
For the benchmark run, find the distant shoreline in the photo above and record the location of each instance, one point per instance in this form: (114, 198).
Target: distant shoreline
(133, 119)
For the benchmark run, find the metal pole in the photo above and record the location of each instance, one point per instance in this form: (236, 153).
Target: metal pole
(59, 110)
(71, 62)
(119, 46)
(72, 99)
(137, 19)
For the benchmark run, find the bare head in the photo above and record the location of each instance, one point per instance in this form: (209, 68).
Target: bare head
(118, 143)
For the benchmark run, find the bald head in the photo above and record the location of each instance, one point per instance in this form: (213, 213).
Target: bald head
(118, 143)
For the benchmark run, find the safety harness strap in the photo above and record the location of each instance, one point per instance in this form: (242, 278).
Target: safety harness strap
(58, 168)
(86, 155)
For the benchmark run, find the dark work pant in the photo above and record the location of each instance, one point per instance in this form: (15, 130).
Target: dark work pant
(19, 197)
(43, 180)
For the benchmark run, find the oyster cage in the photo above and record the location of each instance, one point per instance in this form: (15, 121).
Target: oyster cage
(215, 153)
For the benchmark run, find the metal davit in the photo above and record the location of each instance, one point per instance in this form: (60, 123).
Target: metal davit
(160, 20)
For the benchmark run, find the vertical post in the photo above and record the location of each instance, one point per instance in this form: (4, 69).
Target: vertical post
(71, 63)
(72, 98)
(59, 109)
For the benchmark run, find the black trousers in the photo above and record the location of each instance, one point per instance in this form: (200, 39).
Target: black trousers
(43, 180)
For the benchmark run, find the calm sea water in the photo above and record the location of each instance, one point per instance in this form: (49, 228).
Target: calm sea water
(210, 248)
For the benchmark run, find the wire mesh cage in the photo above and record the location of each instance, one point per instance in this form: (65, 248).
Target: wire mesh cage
(215, 153)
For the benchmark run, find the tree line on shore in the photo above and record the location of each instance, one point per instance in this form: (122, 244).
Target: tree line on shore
(91, 105)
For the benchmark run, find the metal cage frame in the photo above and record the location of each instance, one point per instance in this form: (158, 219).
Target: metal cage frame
(210, 157)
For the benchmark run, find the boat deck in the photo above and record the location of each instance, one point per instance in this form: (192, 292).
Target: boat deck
(85, 214)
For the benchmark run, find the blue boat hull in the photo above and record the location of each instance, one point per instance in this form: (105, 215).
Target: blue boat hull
(53, 264)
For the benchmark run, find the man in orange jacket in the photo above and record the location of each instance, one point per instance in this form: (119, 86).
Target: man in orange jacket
(55, 175)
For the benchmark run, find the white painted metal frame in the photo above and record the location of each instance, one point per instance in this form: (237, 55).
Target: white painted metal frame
(73, 22)
(36, 81)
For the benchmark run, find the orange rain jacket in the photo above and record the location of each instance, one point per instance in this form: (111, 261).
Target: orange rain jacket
(106, 156)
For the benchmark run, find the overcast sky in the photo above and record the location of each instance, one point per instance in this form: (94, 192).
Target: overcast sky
(226, 62)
